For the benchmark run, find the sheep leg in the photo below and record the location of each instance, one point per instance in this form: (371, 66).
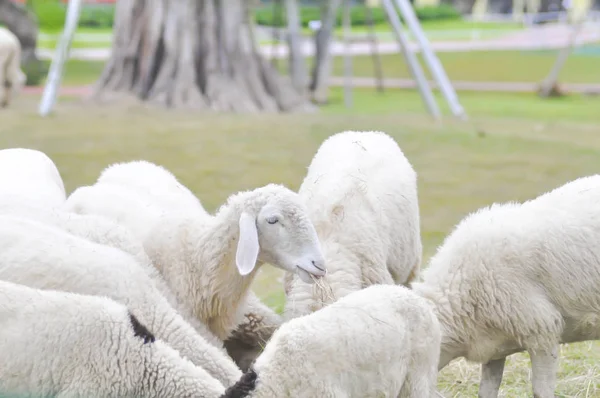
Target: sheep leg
(491, 378)
(543, 372)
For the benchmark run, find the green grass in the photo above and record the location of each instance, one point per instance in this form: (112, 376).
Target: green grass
(78, 72)
(529, 146)
(528, 66)
(500, 66)
(513, 106)
(84, 38)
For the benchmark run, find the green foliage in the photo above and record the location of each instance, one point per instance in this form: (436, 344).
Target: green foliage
(97, 16)
(268, 16)
(51, 15)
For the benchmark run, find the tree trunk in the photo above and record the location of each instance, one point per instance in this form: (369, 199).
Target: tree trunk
(322, 66)
(298, 72)
(198, 54)
(24, 25)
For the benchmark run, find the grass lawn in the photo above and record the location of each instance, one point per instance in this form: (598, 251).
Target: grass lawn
(530, 146)
(499, 66)
(527, 66)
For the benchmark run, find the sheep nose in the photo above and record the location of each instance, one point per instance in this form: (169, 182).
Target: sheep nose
(319, 265)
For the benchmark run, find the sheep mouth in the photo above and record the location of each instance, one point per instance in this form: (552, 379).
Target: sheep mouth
(309, 275)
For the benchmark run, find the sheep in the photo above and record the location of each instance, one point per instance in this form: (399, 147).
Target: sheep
(31, 173)
(162, 192)
(516, 277)
(153, 182)
(210, 262)
(60, 344)
(103, 231)
(383, 340)
(361, 193)
(46, 257)
(12, 78)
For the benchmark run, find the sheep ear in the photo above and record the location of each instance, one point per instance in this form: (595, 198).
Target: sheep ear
(247, 248)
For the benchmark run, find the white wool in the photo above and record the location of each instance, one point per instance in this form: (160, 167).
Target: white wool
(61, 344)
(513, 277)
(154, 182)
(31, 174)
(361, 193)
(12, 78)
(140, 185)
(46, 257)
(381, 341)
(102, 230)
(208, 261)
(122, 206)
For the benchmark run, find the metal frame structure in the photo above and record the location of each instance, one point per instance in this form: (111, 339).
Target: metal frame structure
(60, 56)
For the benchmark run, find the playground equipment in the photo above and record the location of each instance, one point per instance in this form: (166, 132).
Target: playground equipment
(60, 56)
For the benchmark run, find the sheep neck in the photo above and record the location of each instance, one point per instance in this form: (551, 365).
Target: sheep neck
(222, 287)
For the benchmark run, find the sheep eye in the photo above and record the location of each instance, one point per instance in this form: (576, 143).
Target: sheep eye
(272, 219)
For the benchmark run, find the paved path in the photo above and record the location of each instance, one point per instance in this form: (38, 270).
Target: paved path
(535, 38)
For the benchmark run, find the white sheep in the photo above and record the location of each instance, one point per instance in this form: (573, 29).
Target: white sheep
(12, 78)
(210, 262)
(361, 194)
(159, 190)
(381, 341)
(103, 231)
(46, 257)
(520, 276)
(154, 182)
(32, 174)
(63, 345)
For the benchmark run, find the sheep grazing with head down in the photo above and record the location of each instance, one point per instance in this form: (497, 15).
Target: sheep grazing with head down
(361, 193)
(12, 78)
(210, 261)
(44, 256)
(31, 174)
(381, 341)
(60, 344)
(520, 276)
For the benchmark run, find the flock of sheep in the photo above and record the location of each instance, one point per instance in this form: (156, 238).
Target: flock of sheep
(129, 288)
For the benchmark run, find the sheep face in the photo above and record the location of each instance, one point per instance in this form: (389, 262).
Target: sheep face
(280, 234)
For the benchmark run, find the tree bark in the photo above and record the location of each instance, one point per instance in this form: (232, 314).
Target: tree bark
(197, 54)
(322, 66)
(24, 25)
(298, 70)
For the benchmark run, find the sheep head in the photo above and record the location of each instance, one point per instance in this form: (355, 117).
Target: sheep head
(274, 228)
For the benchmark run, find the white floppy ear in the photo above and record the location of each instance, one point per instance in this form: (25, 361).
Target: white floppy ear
(247, 248)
